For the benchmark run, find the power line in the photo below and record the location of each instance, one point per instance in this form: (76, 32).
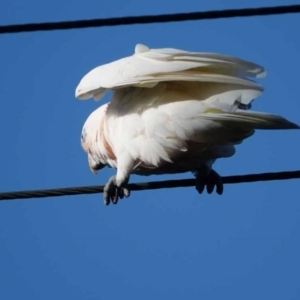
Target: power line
(147, 185)
(164, 18)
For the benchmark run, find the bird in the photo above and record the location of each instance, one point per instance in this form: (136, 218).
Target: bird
(171, 111)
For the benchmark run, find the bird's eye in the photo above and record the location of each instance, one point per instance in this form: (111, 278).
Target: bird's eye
(83, 135)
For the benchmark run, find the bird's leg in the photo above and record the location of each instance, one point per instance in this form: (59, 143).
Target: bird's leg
(206, 176)
(112, 192)
(117, 186)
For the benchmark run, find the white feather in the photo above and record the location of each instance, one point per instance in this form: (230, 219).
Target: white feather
(146, 67)
(171, 111)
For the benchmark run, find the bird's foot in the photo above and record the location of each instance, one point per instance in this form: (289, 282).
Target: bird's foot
(112, 192)
(209, 178)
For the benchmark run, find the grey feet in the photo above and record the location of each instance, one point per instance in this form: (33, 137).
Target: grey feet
(112, 193)
(209, 179)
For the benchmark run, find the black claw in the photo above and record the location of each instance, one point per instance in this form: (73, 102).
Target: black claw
(220, 190)
(121, 194)
(112, 193)
(114, 198)
(210, 180)
(210, 187)
(220, 186)
(200, 187)
(126, 192)
(106, 199)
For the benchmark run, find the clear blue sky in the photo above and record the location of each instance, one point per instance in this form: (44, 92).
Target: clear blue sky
(160, 244)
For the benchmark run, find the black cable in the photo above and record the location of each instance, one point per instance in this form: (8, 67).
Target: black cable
(177, 17)
(147, 185)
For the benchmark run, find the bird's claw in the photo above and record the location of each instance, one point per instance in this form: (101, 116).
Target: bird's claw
(210, 179)
(112, 193)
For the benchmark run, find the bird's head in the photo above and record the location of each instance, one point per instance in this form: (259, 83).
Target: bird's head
(89, 139)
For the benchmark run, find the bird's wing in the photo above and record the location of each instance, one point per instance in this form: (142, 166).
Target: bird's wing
(164, 134)
(170, 121)
(147, 67)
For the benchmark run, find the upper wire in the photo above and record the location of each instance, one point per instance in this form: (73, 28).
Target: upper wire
(146, 19)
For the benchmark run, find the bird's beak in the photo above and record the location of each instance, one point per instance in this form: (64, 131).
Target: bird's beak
(94, 170)
(94, 166)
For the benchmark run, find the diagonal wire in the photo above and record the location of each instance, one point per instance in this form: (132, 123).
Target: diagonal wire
(178, 183)
(164, 18)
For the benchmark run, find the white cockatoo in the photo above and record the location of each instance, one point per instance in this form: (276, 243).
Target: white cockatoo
(172, 111)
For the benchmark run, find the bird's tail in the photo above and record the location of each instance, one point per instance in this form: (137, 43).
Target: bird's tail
(250, 120)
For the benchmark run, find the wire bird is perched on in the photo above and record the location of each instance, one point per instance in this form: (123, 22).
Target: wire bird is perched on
(172, 111)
